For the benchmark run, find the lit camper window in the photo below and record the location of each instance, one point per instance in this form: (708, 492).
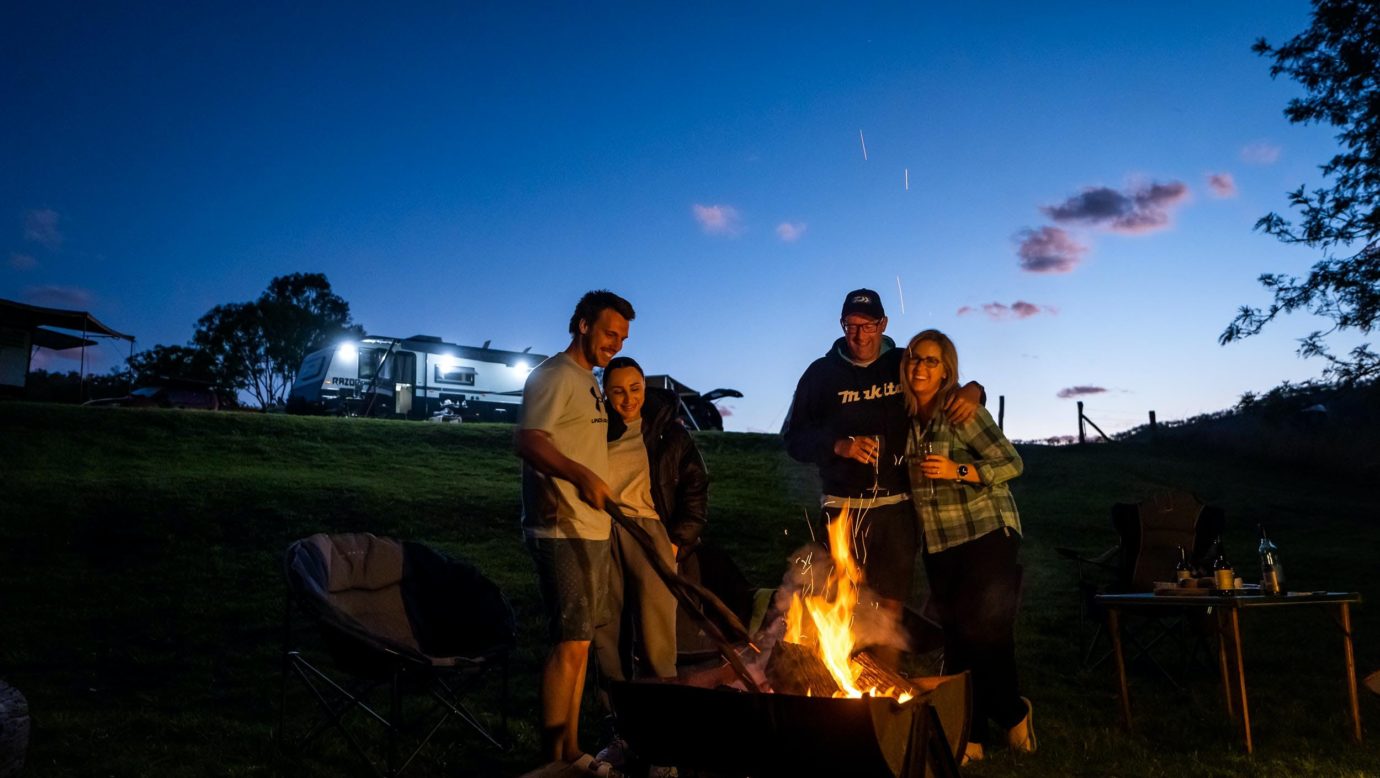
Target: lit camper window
(454, 374)
(369, 359)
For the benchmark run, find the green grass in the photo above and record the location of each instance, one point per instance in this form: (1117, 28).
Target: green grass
(141, 595)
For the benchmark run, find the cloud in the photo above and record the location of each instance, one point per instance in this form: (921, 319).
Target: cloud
(718, 219)
(41, 226)
(1079, 391)
(1049, 250)
(1260, 153)
(1221, 185)
(58, 296)
(1017, 310)
(22, 262)
(1142, 209)
(791, 231)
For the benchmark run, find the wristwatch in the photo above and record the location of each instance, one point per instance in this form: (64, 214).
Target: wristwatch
(962, 472)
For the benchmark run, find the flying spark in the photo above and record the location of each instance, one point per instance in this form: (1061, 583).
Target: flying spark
(863, 141)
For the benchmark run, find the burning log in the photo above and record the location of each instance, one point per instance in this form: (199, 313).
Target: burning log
(797, 669)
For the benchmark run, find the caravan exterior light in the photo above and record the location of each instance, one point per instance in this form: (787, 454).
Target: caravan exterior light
(522, 367)
(347, 350)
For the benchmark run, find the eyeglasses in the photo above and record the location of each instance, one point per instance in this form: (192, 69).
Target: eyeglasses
(930, 362)
(869, 327)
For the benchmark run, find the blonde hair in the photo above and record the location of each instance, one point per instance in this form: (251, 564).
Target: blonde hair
(948, 354)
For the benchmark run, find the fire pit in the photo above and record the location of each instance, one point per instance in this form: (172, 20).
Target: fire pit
(806, 700)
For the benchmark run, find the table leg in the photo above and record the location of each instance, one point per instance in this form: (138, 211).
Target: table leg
(1235, 616)
(1222, 637)
(1351, 673)
(1114, 627)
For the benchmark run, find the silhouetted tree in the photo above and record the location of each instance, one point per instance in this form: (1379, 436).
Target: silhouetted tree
(257, 347)
(1337, 60)
(152, 364)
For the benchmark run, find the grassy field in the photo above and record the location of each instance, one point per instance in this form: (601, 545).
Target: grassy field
(141, 595)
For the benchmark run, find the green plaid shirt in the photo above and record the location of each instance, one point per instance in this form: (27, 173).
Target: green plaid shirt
(957, 512)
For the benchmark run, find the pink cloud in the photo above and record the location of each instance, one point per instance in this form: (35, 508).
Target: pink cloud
(1049, 250)
(1139, 210)
(717, 219)
(1260, 153)
(22, 262)
(1079, 391)
(790, 232)
(59, 296)
(1222, 185)
(1017, 310)
(41, 226)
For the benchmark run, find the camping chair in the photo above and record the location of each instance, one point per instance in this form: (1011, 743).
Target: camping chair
(397, 614)
(1150, 534)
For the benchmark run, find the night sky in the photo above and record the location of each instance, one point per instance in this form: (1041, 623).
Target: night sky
(1082, 181)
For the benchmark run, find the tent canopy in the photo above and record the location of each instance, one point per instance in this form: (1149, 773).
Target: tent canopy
(57, 341)
(32, 317)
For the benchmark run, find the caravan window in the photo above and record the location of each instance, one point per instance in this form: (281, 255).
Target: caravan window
(454, 374)
(369, 359)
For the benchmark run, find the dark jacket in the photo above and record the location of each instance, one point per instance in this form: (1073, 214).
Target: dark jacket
(837, 398)
(680, 481)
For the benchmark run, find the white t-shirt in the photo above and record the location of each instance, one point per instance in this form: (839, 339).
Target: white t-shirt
(630, 473)
(562, 399)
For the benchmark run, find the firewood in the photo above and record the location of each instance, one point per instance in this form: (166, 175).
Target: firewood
(795, 669)
(874, 676)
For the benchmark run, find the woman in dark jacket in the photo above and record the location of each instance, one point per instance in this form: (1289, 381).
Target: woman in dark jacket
(659, 482)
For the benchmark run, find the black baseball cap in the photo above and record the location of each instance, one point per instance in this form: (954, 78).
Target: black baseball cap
(865, 302)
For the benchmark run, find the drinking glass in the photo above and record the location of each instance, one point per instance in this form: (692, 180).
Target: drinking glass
(938, 448)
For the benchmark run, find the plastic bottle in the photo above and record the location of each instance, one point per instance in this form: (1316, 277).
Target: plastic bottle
(1271, 571)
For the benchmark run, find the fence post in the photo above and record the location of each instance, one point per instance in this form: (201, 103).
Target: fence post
(1001, 412)
(1082, 436)
(1153, 429)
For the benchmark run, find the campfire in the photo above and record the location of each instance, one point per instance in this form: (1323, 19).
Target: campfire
(806, 685)
(821, 622)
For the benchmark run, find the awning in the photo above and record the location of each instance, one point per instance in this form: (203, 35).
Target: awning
(57, 341)
(31, 317)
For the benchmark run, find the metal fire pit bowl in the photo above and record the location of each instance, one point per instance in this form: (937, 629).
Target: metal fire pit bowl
(738, 733)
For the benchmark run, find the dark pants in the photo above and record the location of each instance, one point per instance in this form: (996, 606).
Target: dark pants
(974, 592)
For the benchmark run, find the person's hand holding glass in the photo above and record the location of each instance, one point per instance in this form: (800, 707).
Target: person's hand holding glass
(936, 463)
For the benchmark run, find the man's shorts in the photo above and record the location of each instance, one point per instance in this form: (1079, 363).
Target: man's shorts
(573, 576)
(886, 539)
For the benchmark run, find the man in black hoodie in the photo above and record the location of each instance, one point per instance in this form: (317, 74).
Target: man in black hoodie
(849, 419)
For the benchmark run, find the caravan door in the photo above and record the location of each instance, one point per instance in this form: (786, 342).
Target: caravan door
(404, 381)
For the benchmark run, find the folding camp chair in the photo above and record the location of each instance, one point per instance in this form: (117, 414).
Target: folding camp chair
(392, 614)
(1150, 534)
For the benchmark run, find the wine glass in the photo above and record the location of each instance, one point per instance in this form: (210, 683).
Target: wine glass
(937, 448)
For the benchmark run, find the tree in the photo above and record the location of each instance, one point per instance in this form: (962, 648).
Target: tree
(257, 347)
(162, 361)
(1337, 60)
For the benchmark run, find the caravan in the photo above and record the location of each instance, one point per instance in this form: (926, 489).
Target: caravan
(413, 378)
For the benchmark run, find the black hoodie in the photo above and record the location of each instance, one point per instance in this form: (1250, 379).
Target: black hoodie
(837, 398)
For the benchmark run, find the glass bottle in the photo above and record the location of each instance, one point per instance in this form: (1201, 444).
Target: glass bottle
(1223, 575)
(1271, 571)
(1183, 571)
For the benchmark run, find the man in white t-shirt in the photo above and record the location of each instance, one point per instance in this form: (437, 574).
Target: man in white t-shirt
(562, 439)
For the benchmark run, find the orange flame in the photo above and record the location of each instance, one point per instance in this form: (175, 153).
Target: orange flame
(831, 612)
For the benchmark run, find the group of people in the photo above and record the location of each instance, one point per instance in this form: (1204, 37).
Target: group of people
(918, 462)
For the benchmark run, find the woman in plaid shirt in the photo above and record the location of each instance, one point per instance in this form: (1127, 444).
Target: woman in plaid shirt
(971, 530)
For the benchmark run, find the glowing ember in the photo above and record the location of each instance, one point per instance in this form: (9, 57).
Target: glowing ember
(829, 629)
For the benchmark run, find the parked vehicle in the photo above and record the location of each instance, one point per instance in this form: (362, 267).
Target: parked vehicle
(412, 378)
(697, 411)
(168, 393)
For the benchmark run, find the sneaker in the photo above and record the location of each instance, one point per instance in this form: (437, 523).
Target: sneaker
(1022, 736)
(653, 771)
(616, 753)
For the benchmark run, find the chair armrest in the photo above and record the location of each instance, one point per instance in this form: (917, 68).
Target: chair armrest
(1103, 559)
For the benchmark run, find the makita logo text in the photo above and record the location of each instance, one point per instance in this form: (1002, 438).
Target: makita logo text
(875, 393)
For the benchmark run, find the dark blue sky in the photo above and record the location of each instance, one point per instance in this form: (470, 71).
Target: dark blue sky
(1082, 180)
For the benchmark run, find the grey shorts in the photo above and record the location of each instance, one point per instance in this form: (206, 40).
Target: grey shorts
(573, 576)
